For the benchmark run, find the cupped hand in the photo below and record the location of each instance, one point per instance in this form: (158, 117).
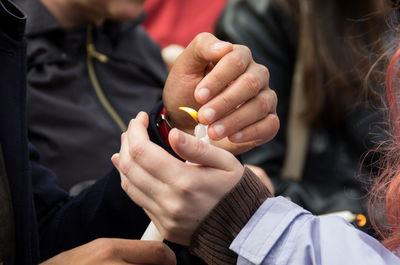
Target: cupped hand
(176, 195)
(116, 251)
(229, 89)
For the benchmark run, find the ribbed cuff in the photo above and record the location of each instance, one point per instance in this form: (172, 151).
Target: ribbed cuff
(212, 238)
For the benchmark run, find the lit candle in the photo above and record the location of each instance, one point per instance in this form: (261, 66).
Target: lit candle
(200, 131)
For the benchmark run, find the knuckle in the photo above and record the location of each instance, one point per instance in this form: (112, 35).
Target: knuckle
(200, 149)
(104, 248)
(136, 149)
(226, 101)
(161, 251)
(263, 105)
(237, 120)
(245, 50)
(124, 165)
(253, 83)
(171, 225)
(203, 36)
(236, 61)
(274, 98)
(268, 129)
(125, 185)
(264, 70)
(216, 79)
(275, 124)
(186, 189)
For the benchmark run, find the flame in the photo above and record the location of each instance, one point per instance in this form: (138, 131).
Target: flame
(191, 112)
(362, 220)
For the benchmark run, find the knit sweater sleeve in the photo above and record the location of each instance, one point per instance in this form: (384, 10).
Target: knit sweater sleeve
(212, 238)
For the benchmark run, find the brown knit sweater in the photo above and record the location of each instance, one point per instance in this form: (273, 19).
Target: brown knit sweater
(212, 238)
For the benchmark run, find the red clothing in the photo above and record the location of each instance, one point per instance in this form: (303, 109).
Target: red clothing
(179, 21)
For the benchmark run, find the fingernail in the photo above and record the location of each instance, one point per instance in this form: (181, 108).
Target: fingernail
(237, 136)
(209, 115)
(219, 129)
(219, 46)
(204, 94)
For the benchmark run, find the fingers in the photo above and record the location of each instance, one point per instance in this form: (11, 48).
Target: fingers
(196, 151)
(116, 251)
(255, 119)
(227, 70)
(142, 155)
(236, 95)
(141, 252)
(259, 132)
(205, 48)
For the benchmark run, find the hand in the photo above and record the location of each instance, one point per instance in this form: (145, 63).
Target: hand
(177, 196)
(70, 13)
(228, 88)
(116, 251)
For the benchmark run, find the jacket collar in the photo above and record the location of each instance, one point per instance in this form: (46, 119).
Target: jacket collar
(40, 20)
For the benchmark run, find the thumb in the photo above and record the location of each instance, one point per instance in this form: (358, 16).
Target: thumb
(196, 151)
(204, 48)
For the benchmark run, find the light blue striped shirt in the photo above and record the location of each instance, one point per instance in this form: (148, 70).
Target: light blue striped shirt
(281, 232)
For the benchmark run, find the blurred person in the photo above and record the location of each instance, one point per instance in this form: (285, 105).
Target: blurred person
(178, 22)
(319, 54)
(39, 221)
(91, 67)
(33, 208)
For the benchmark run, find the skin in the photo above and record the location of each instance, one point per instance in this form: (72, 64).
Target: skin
(193, 190)
(235, 90)
(211, 76)
(71, 13)
(116, 251)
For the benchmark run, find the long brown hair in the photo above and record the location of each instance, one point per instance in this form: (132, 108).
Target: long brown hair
(339, 41)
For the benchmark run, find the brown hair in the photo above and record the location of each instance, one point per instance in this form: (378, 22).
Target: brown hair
(339, 41)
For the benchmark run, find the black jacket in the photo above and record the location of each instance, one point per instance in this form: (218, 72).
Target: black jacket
(47, 220)
(41, 209)
(67, 121)
(333, 178)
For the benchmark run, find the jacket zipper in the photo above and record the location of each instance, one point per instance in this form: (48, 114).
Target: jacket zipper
(92, 53)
